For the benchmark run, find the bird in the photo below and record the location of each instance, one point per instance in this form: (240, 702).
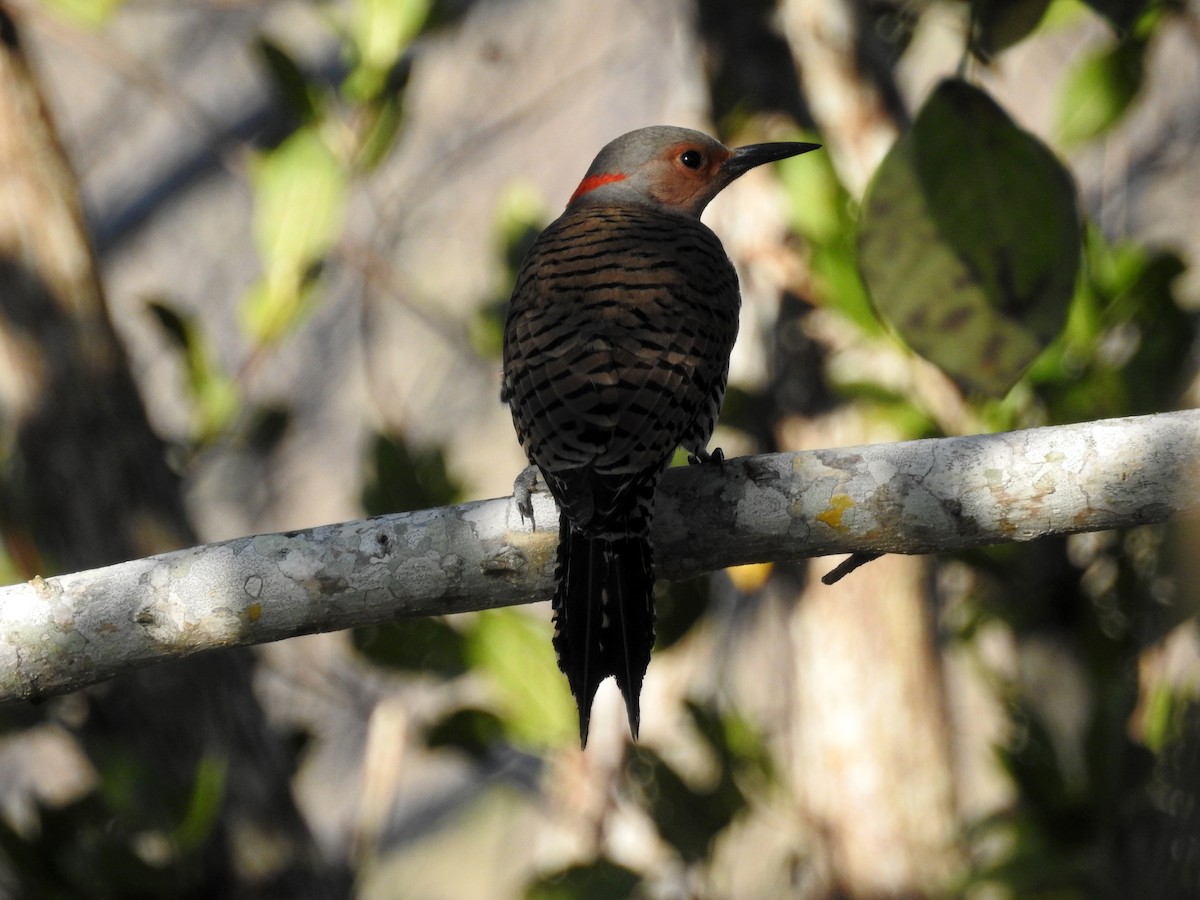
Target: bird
(616, 349)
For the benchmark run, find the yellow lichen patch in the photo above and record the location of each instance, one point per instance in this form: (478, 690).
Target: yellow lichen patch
(254, 612)
(750, 577)
(838, 504)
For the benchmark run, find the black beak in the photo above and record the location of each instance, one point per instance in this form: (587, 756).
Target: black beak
(743, 159)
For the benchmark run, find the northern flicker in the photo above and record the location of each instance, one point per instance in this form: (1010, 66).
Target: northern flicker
(616, 351)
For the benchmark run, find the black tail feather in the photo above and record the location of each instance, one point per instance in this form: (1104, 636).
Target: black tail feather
(604, 616)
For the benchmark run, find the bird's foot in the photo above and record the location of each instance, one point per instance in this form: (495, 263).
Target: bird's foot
(523, 490)
(703, 458)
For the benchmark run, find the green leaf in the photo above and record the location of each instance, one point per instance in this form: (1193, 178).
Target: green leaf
(266, 426)
(180, 329)
(599, 880)
(520, 215)
(473, 731)
(1126, 338)
(415, 645)
(680, 605)
(382, 124)
(204, 804)
(688, 818)
(300, 198)
(380, 31)
(691, 816)
(86, 13)
(820, 204)
(295, 86)
(998, 24)
(823, 213)
(216, 397)
(1100, 89)
(737, 746)
(514, 650)
(879, 404)
(401, 477)
(1121, 14)
(970, 241)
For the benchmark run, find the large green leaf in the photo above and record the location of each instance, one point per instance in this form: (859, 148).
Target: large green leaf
(970, 240)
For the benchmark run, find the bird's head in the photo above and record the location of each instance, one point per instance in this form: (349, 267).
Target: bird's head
(671, 168)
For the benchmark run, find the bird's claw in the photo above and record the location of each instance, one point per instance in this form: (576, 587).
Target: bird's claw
(523, 489)
(703, 458)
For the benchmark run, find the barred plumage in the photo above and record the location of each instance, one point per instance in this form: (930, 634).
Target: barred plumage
(616, 351)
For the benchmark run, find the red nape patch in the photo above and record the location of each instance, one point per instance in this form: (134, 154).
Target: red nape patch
(594, 181)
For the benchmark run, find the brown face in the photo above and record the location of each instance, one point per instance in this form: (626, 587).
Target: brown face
(690, 174)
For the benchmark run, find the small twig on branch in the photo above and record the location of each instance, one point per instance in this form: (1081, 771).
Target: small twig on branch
(848, 565)
(59, 634)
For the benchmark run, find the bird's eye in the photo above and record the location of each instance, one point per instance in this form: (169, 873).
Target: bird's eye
(693, 159)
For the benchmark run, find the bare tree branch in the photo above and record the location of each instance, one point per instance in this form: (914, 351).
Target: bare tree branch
(58, 634)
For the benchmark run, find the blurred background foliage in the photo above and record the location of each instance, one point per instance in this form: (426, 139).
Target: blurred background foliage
(977, 279)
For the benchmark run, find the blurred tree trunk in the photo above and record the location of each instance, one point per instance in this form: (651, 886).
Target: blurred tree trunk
(872, 760)
(84, 482)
